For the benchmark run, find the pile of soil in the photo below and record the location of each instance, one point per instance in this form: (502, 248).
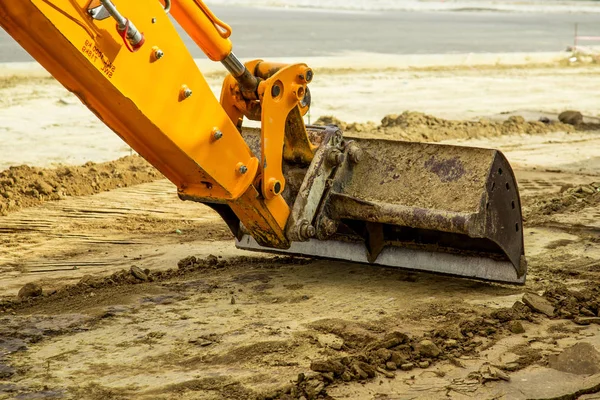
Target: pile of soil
(570, 199)
(380, 357)
(24, 186)
(416, 126)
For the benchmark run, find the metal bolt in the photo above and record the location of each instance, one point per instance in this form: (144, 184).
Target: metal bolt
(335, 157)
(153, 20)
(159, 54)
(327, 227)
(217, 134)
(306, 230)
(275, 90)
(187, 92)
(243, 169)
(355, 153)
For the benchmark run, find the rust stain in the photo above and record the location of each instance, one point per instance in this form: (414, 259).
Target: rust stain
(448, 170)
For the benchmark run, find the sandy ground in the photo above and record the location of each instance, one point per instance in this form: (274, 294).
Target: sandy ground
(243, 325)
(359, 94)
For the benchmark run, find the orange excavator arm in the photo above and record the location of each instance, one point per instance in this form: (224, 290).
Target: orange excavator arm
(288, 188)
(128, 64)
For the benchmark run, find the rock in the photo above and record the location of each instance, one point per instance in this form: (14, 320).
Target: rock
(570, 117)
(398, 358)
(538, 304)
(511, 367)
(407, 366)
(346, 376)
(328, 366)
(391, 366)
(390, 340)
(427, 348)
(331, 341)
(488, 372)
(516, 327)
(367, 368)
(138, 273)
(587, 320)
(503, 314)
(424, 364)
(587, 312)
(212, 260)
(450, 332)
(580, 359)
(520, 310)
(385, 373)
(383, 354)
(30, 290)
(451, 343)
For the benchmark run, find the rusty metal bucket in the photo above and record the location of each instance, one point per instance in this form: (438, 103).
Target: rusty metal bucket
(432, 207)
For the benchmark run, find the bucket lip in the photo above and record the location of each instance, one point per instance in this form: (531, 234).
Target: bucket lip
(478, 268)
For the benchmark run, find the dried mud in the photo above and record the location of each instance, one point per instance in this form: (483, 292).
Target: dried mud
(25, 186)
(538, 210)
(416, 126)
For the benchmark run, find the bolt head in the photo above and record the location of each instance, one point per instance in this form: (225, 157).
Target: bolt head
(243, 169)
(153, 20)
(159, 54)
(187, 93)
(275, 90)
(217, 135)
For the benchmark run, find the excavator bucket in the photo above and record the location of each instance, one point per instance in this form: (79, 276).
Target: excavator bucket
(430, 207)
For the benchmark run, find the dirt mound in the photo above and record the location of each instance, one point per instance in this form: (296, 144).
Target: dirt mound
(24, 186)
(416, 126)
(136, 276)
(573, 199)
(370, 356)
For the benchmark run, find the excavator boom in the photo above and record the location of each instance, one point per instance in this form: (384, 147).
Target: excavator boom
(285, 188)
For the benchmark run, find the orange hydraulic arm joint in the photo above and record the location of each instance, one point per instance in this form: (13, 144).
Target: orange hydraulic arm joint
(129, 66)
(270, 93)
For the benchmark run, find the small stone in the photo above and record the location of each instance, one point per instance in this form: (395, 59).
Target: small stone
(587, 320)
(328, 376)
(385, 373)
(428, 349)
(212, 260)
(30, 290)
(588, 190)
(346, 377)
(390, 340)
(451, 343)
(581, 359)
(391, 366)
(398, 358)
(138, 273)
(424, 364)
(232, 300)
(520, 310)
(450, 332)
(516, 327)
(503, 314)
(407, 366)
(570, 117)
(327, 366)
(587, 312)
(538, 304)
